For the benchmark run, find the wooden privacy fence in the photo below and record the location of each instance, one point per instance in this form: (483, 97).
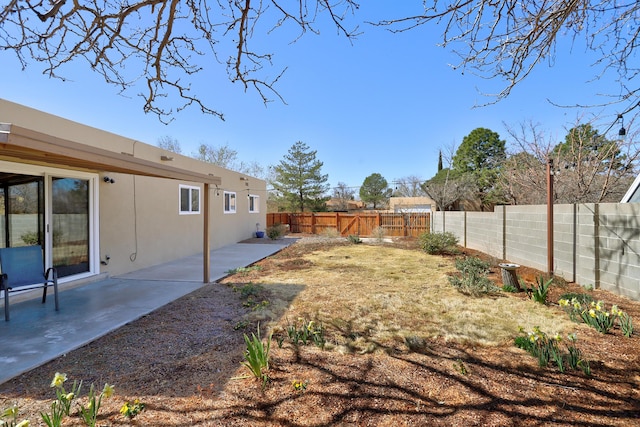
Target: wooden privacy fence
(360, 224)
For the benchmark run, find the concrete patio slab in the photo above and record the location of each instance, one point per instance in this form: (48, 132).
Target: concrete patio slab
(37, 333)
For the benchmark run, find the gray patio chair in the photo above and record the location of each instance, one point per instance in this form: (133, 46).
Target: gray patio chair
(22, 270)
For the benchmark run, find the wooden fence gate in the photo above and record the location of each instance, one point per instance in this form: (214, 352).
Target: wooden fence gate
(359, 224)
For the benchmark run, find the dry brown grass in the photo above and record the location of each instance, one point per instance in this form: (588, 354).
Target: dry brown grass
(373, 297)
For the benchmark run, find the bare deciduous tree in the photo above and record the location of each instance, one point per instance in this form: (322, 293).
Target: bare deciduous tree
(587, 167)
(508, 38)
(169, 143)
(410, 186)
(226, 157)
(223, 156)
(342, 195)
(447, 188)
(523, 179)
(160, 42)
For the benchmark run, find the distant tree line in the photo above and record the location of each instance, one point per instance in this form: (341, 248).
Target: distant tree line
(477, 175)
(587, 167)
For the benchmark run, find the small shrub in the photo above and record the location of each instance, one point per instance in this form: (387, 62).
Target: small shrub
(131, 410)
(540, 292)
(89, 413)
(459, 366)
(473, 278)
(595, 315)
(30, 238)
(509, 288)
(626, 324)
(244, 270)
(547, 350)
(330, 233)
(598, 318)
(253, 296)
(378, 233)
(257, 356)
(581, 298)
(307, 332)
(415, 343)
(11, 413)
(354, 239)
(299, 385)
(249, 290)
(276, 231)
(242, 324)
(438, 243)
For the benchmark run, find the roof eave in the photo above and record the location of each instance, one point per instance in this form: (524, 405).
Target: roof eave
(26, 145)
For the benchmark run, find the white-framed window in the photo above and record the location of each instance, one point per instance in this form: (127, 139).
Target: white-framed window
(189, 200)
(254, 203)
(229, 202)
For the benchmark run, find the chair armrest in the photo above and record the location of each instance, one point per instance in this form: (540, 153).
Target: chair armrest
(3, 283)
(53, 272)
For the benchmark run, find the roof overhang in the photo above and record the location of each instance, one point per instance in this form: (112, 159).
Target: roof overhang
(633, 193)
(29, 146)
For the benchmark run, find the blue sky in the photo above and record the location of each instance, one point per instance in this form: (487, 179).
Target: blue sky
(385, 104)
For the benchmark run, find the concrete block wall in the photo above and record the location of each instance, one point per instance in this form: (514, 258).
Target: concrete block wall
(452, 221)
(564, 241)
(594, 244)
(485, 232)
(526, 235)
(618, 248)
(587, 270)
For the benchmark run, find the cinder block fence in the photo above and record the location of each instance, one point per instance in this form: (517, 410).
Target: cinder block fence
(594, 244)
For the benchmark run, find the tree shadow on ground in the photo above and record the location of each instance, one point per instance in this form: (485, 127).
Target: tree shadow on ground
(435, 392)
(191, 345)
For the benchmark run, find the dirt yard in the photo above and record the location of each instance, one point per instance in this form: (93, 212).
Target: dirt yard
(402, 349)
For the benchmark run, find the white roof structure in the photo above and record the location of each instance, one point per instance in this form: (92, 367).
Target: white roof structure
(633, 194)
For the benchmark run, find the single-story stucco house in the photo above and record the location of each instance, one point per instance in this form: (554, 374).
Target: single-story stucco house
(101, 203)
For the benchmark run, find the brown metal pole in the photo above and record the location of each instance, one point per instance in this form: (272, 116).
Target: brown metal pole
(550, 217)
(206, 244)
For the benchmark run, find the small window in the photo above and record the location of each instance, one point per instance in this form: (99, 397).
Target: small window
(254, 203)
(229, 202)
(189, 200)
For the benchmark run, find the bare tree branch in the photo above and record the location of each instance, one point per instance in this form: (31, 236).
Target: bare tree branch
(160, 43)
(588, 167)
(507, 39)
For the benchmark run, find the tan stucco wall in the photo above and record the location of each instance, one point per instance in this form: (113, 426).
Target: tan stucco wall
(139, 220)
(163, 234)
(409, 202)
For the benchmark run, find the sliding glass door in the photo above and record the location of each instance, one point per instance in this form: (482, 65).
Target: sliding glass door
(54, 211)
(70, 225)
